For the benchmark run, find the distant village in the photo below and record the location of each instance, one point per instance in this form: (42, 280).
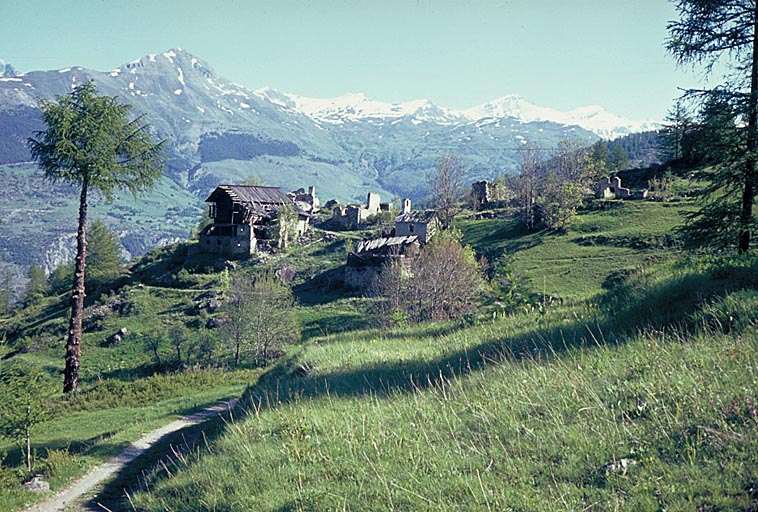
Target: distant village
(250, 219)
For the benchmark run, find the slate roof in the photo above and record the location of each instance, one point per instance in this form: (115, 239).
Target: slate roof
(251, 194)
(380, 243)
(418, 217)
(256, 199)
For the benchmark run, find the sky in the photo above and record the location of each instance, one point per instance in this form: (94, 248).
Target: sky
(457, 53)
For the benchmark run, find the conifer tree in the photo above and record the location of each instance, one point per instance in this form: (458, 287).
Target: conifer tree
(90, 141)
(725, 31)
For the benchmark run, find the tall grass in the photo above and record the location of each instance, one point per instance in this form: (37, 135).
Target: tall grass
(658, 421)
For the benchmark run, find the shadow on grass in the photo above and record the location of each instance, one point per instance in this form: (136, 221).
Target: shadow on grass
(292, 380)
(332, 324)
(159, 460)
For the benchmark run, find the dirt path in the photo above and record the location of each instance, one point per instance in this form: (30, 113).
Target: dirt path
(68, 498)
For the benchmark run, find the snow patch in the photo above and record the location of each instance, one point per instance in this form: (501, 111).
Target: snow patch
(169, 54)
(592, 118)
(244, 105)
(13, 79)
(64, 70)
(131, 86)
(115, 72)
(178, 92)
(151, 57)
(201, 109)
(181, 77)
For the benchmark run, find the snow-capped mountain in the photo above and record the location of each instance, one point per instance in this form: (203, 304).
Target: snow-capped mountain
(221, 132)
(593, 118)
(356, 107)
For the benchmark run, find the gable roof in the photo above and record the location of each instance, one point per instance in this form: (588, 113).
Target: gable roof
(384, 243)
(250, 194)
(419, 217)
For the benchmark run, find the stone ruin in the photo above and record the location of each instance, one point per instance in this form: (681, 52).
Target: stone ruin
(610, 188)
(355, 215)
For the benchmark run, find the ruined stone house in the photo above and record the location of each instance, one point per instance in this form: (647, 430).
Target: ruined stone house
(244, 214)
(610, 188)
(355, 215)
(412, 231)
(422, 223)
(371, 256)
(306, 200)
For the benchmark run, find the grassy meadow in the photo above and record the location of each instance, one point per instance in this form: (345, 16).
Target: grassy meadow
(624, 377)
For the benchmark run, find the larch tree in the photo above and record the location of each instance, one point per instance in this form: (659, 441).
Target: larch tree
(725, 32)
(90, 141)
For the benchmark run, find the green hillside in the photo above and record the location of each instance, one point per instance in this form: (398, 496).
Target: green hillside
(621, 376)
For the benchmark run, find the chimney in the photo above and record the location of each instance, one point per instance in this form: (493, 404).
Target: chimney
(311, 191)
(406, 206)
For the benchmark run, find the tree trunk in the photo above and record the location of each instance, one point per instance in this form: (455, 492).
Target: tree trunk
(73, 346)
(28, 438)
(746, 214)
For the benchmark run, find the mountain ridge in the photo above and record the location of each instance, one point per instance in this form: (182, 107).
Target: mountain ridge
(221, 132)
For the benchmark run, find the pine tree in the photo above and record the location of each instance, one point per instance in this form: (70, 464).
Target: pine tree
(89, 141)
(725, 31)
(103, 255)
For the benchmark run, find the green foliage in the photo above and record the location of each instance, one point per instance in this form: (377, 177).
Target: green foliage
(37, 285)
(260, 317)
(103, 255)
(24, 393)
(619, 159)
(443, 282)
(89, 140)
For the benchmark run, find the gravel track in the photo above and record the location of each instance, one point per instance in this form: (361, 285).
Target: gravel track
(69, 499)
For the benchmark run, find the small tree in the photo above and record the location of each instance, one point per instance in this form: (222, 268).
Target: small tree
(23, 404)
(526, 185)
(274, 323)
(286, 224)
(104, 254)
(37, 286)
(237, 309)
(179, 339)
(447, 188)
(444, 282)
(152, 342)
(260, 316)
(89, 141)
(6, 293)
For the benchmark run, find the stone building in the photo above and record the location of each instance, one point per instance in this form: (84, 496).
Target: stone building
(422, 223)
(369, 258)
(610, 188)
(307, 201)
(355, 215)
(244, 214)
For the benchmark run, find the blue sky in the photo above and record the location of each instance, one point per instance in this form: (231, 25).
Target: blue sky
(556, 53)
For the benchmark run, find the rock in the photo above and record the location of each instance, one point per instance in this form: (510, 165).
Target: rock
(215, 322)
(213, 305)
(618, 466)
(221, 264)
(286, 274)
(36, 484)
